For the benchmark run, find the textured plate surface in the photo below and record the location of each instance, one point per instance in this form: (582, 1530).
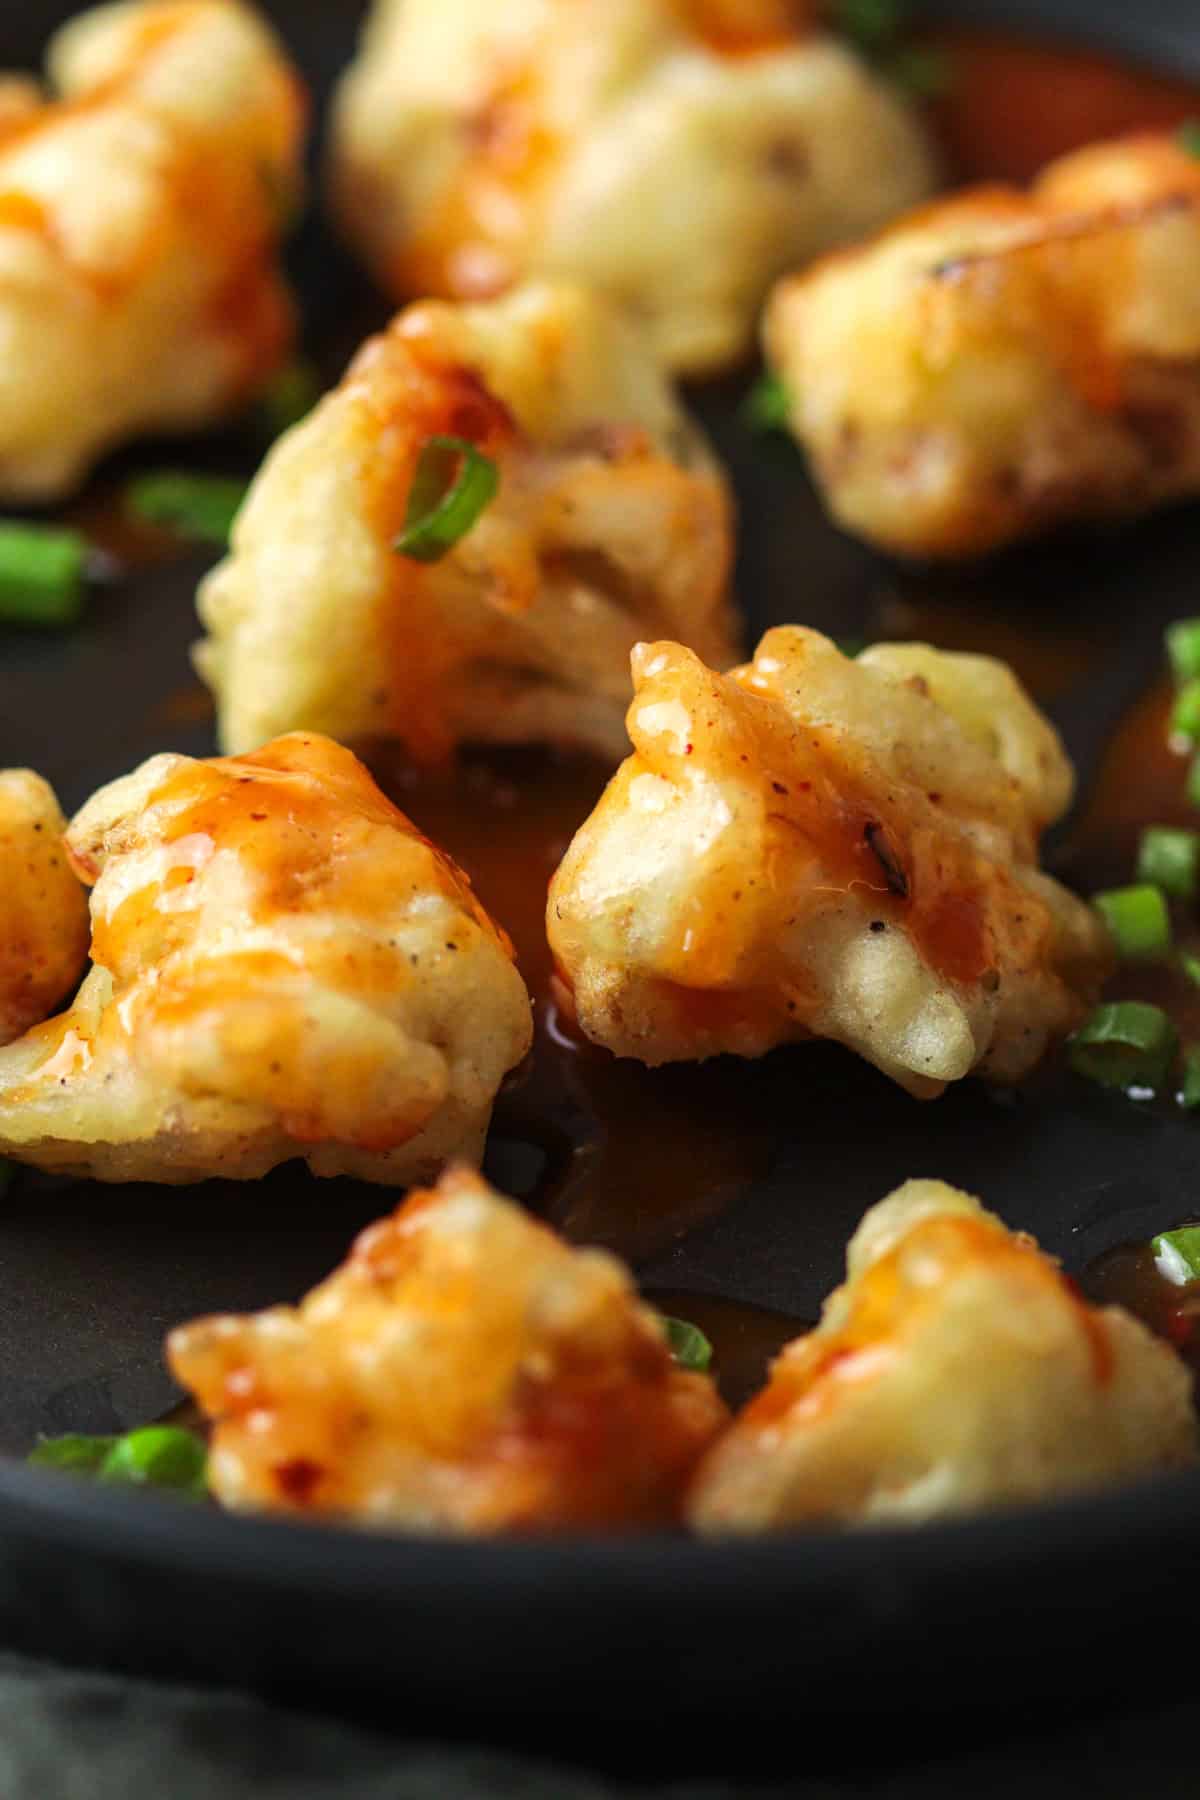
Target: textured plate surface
(1072, 1600)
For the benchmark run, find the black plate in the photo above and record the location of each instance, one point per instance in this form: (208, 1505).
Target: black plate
(1073, 1600)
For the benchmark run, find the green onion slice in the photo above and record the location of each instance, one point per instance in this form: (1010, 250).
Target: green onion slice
(1125, 1044)
(1177, 1254)
(767, 406)
(1191, 786)
(1189, 1086)
(161, 1456)
(870, 25)
(1185, 714)
(289, 398)
(1170, 859)
(42, 569)
(1183, 642)
(454, 483)
(1188, 137)
(1138, 919)
(76, 1454)
(922, 72)
(1191, 967)
(203, 507)
(688, 1345)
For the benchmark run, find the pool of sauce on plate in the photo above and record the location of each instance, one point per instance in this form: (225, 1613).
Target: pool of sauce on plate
(634, 1159)
(1012, 105)
(1128, 1276)
(1140, 782)
(610, 1152)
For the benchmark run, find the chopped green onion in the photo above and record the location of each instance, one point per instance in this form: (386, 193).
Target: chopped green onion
(1125, 1044)
(158, 1456)
(1185, 714)
(1138, 919)
(767, 406)
(289, 398)
(1189, 1086)
(75, 1454)
(453, 485)
(688, 1345)
(1191, 786)
(1191, 967)
(870, 25)
(923, 73)
(1177, 1254)
(42, 571)
(1188, 137)
(203, 507)
(1170, 859)
(1183, 648)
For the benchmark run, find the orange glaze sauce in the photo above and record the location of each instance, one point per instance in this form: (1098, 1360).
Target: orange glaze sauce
(433, 398)
(828, 799)
(511, 153)
(738, 28)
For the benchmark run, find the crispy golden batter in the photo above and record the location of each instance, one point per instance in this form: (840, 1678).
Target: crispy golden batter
(283, 967)
(612, 519)
(140, 212)
(957, 1368)
(1002, 362)
(463, 1371)
(817, 847)
(676, 153)
(43, 911)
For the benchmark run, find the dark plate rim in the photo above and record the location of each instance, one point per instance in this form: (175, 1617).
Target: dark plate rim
(158, 1532)
(1158, 1513)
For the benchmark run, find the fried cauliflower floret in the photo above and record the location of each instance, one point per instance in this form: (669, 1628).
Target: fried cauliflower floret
(957, 1368)
(140, 211)
(612, 517)
(43, 911)
(282, 967)
(678, 154)
(464, 1371)
(1002, 361)
(815, 847)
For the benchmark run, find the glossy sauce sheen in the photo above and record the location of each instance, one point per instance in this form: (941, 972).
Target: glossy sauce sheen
(1127, 1276)
(633, 1159)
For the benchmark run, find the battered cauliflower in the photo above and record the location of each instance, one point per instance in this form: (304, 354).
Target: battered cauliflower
(43, 912)
(677, 153)
(139, 217)
(1003, 362)
(282, 967)
(612, 518)
(464, 1371)
(957, 1368)
(815, 847)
